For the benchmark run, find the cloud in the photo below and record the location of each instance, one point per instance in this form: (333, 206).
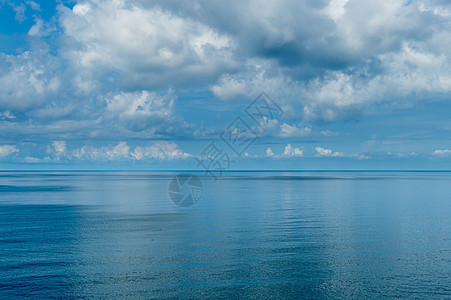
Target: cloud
(336, 9)
(269, 152)
(329, 133)
(412, 73)
(288, 152)
(145, 47)
(284, 130)
(27, 80)
(140, 110)
(403, 154)
(257, 75)
(58, 148)
(287, 130)
(6, 150)
(20, 11)
(442, 153)
(35, 160)
(361, 156)
(119, 69)
(7, 115)
(247, 155)
(160, 150)
(41, 28)
(120, 151)
(33, 5)
(321, 152)
(380, 55)
(81, 9)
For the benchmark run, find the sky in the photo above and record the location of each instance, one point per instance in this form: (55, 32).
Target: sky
(134, 84)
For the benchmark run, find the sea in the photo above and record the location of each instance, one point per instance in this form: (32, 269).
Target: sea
(243, 234)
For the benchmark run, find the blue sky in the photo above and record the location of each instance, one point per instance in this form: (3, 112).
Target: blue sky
(132, 84)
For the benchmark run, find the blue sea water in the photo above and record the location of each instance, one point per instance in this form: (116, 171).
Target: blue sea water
(251, 235)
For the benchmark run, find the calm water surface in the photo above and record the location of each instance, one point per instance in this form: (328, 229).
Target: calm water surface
(252, 234)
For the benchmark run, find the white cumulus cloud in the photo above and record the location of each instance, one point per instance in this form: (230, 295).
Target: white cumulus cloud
(141, 110)
(291, 151)
(288, 152)
(269, 152)
(159, 150)
(322, 152)
(442, 153)
(6, 150)
(59, 146)
(120, 151)
(145, 46)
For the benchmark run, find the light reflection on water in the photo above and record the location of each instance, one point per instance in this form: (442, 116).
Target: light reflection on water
(262, 234)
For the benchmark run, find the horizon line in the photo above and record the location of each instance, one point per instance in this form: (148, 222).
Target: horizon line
(225, 171)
